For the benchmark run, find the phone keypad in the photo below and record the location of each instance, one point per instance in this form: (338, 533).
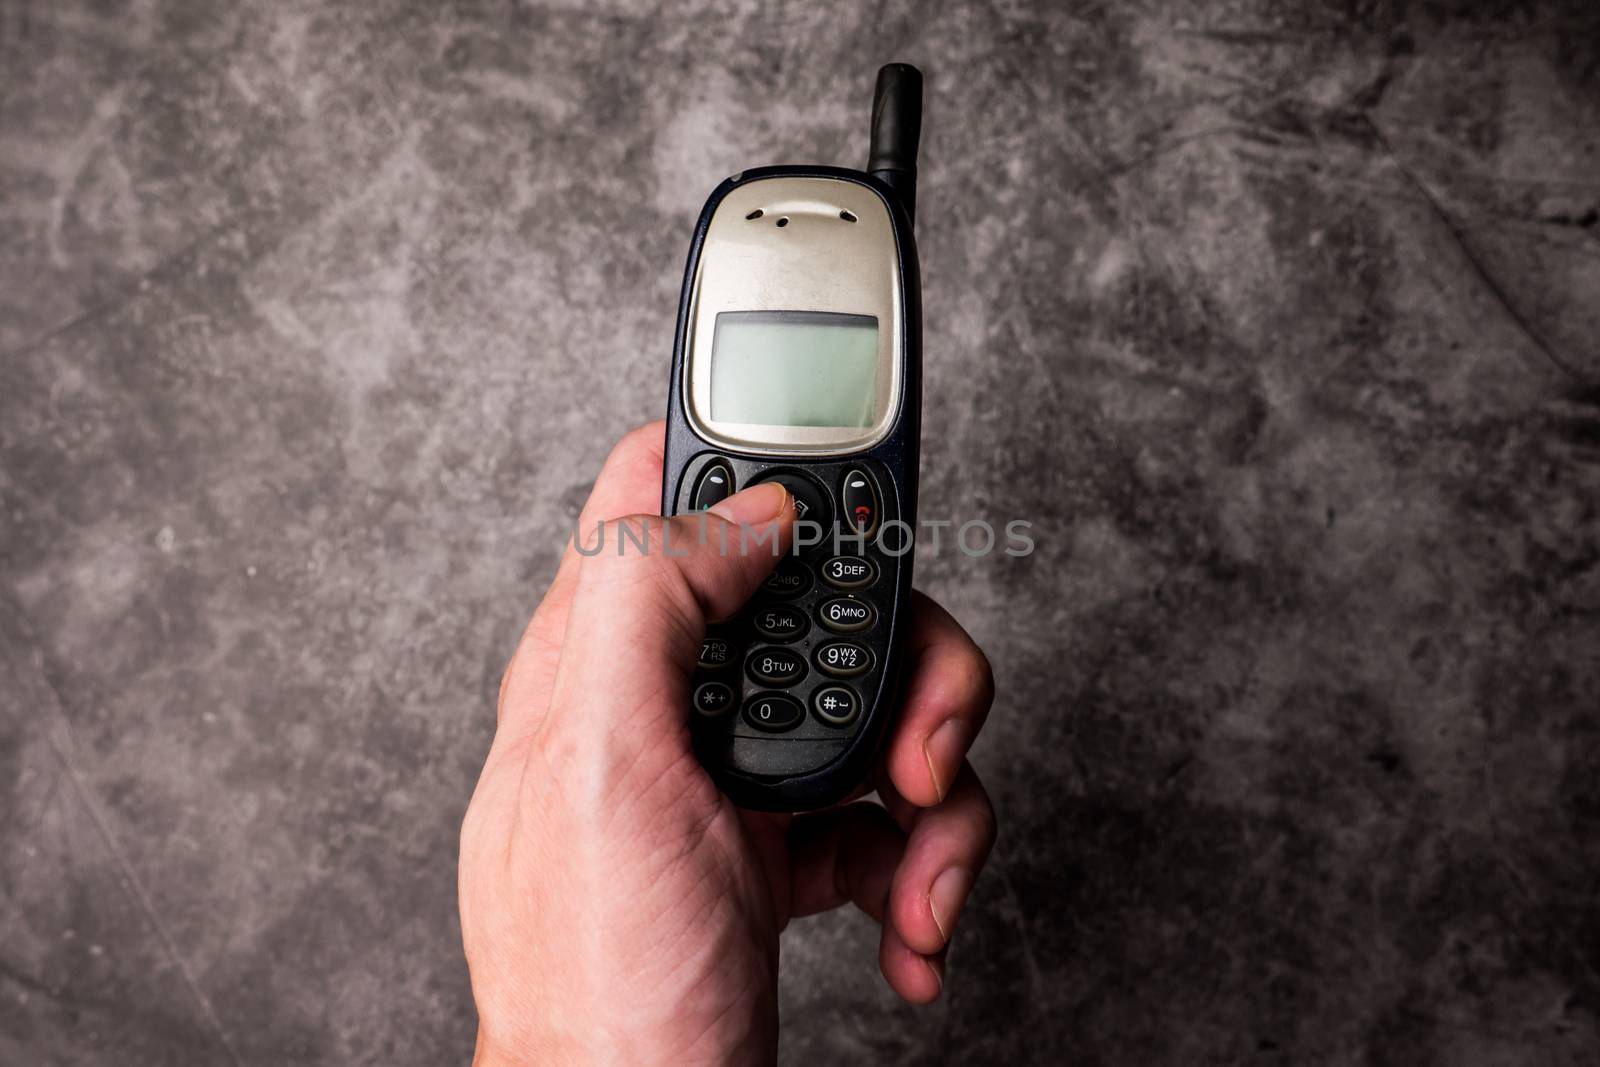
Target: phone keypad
(805, 658)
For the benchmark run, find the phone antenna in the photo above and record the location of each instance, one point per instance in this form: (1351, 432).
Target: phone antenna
(896, 129)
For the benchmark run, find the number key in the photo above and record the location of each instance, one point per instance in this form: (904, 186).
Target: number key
(843, 659)
(845, 616)
(791, 578)
(773, 712)
(775, 666)
(780, 622)
(716, 652)
(848, 572)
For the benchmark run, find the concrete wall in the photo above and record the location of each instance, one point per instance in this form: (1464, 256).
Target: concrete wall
(1279, 320)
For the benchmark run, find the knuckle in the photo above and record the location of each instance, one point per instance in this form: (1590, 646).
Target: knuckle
(986, 823)
(983, 677)
(975, 690)
(982, 827)
(630, 544)
(987, 670)
(505, 685)
(636, 441)
(471, 830)
(640, 447)
(646, 435)
(675, 592)
(971, 810)
(688, 529)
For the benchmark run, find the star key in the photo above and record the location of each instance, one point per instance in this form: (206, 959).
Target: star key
(713, 698)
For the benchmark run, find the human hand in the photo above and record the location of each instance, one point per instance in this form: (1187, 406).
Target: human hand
(615, 906)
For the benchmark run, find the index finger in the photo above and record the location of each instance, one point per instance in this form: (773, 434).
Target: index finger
(949, 688)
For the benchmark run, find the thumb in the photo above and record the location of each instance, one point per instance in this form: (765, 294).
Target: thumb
(732, 554)
(642, 600)
(698, 567)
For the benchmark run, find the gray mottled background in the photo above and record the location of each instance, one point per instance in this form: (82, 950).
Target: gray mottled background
(1281, 321)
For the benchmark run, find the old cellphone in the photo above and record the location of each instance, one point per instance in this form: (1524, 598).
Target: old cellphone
(797, 359)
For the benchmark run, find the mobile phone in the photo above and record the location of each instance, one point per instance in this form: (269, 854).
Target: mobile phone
(798, 359)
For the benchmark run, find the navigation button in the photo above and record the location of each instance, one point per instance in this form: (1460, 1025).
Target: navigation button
(810, 502)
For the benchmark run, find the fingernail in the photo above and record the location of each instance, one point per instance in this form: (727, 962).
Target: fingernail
(936, 968)
(945, 898)
(944, 749)
(759, 503)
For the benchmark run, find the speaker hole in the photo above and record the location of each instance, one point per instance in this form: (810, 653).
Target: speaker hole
(783, 220)
(756, 214)
(847, 216)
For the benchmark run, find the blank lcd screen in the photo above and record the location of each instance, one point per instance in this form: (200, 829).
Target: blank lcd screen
(794, 368)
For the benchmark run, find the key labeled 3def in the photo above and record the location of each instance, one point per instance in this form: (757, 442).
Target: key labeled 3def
(849, 572)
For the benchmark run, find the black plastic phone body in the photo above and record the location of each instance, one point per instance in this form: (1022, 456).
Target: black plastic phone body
(841, 623)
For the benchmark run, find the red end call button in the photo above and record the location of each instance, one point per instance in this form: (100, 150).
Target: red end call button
(860, 502)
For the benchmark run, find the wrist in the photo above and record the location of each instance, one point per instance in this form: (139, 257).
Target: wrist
(754, 1050)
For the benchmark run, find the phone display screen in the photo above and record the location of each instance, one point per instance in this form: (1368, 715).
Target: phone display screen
(794, 368)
